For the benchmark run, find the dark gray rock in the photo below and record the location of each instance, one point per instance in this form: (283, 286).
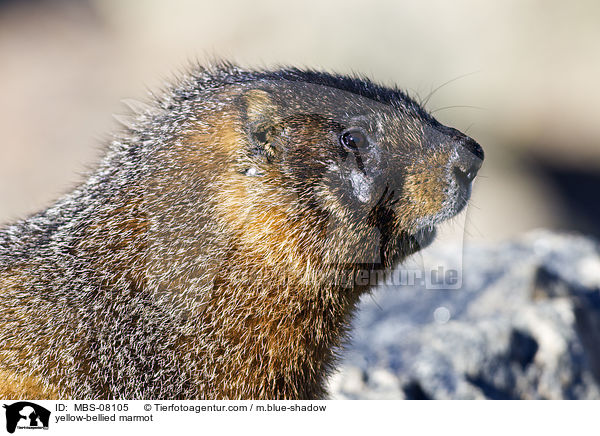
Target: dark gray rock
(525, 324)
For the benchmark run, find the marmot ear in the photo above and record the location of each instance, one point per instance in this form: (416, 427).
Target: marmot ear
(262, 121)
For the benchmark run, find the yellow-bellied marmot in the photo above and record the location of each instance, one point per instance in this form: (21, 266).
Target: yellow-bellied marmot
(212, 252)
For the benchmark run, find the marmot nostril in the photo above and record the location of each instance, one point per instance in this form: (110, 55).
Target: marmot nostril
(465, 176)
(469, 161)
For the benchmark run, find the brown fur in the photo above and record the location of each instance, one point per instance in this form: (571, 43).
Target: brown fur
(14, 386)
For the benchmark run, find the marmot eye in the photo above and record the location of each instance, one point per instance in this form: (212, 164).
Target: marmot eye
(353, 139)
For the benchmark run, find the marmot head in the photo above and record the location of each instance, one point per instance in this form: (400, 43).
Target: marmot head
(355, 171)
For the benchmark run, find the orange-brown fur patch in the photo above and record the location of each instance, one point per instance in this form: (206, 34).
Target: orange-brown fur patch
(424, 187)
(266, 229)
(15, 386)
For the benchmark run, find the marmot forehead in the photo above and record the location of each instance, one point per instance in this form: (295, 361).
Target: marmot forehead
(223, 74)
(290, 99)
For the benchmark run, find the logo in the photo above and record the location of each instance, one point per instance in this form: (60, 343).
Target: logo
(26, 415)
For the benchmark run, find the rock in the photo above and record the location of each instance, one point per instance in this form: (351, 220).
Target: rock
(523, 324)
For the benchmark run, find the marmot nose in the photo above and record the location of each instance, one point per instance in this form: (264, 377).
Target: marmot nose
(469, 160)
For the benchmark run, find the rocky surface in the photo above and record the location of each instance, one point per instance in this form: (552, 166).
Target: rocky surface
(525, 324)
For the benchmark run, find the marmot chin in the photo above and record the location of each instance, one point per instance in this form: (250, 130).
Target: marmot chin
(211, 253)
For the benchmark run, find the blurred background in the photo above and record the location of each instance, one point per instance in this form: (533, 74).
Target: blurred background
(521, 77)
